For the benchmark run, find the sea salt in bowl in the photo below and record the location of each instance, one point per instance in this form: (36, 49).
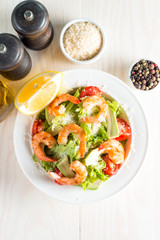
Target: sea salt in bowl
(82, 41)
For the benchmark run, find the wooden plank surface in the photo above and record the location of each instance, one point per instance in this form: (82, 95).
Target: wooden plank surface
(132, 29)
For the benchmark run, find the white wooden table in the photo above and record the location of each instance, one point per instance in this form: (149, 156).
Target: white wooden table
(132, 29)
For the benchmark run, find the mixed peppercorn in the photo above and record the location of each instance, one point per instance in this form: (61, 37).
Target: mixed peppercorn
(145, 75)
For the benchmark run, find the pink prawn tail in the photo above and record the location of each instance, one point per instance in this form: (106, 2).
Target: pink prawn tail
(49, 159)
(82, 148)
(54, 175)
(102, 146)
(75, 100)
(89, 119)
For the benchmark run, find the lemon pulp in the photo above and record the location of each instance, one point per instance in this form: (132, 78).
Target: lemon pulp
(38, 92)
(32, 87)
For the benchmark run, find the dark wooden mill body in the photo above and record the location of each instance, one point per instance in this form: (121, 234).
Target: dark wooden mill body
(15, 62)
(30, 19)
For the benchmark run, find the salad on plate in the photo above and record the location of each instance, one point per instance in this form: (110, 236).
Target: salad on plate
(80, 138)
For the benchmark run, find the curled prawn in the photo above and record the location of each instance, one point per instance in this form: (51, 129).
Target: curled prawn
(91, 102)
(43, 138)
(81, 174)
(56, 110)
(114, 149)
(73, 128)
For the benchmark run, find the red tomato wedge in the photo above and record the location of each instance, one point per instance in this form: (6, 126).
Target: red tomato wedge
(37, 126)
(60, 174)
(90, 91)
(111, 168)
(124, 130)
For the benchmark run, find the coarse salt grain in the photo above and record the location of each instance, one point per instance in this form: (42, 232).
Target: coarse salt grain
(82, 41)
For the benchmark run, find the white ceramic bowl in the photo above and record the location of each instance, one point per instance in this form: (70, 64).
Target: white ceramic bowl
(62, 46)
(120, 92)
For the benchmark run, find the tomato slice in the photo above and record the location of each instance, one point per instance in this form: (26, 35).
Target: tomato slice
(124, 130)
(90, 91)
(111, 168)
(37, 126)
(60, 174)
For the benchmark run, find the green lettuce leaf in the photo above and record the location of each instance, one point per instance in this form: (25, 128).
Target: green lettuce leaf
(103, 133)
(45, 125)
(95, 140)
(75, 138)
(48, 166)
(100, 137)
(70, 105)
(95, 173)
(60, 151)
(55, 131)
(35, 159)
(114, 106)
(41, 115)
(112, 126)
(80, 112)
(61, 120)
(87, 127)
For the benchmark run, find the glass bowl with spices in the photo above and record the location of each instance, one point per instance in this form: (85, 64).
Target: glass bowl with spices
(82, 41)
(145, 74)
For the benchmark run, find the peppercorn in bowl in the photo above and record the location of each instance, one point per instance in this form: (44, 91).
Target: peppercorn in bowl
(82, 41)
(145, 74)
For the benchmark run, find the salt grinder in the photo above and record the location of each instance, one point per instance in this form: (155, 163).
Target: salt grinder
(30, 19)
(15, 62)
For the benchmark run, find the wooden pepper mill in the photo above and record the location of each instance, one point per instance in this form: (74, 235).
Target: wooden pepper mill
(30, 19)
(15, 62)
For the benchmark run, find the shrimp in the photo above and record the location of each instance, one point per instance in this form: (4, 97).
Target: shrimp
(91, 102)
(47, 139)
(56, 110)
(114, 149)
(81, 174)
(73, 128)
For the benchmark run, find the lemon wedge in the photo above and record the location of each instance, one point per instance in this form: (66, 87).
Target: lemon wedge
(38, 92)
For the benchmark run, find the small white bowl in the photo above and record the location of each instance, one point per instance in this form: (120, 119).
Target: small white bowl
(62, 46)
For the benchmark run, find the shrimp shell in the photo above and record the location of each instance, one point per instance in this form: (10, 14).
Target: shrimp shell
(81, 174)
(47, 139)
(114, 149)
(91, 102)
(73, 128)
(56, 110)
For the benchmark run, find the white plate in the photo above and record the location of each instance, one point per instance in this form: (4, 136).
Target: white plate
(71, 194)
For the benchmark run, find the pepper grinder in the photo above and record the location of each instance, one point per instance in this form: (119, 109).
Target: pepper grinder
(15, 62)
(30, 19)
